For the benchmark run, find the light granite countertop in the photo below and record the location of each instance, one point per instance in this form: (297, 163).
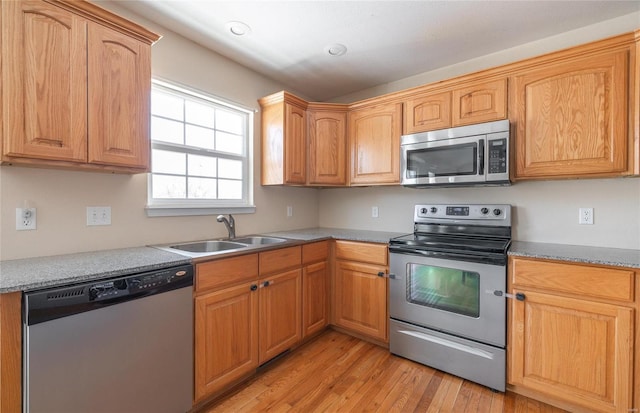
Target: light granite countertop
(41, 272)
(34, 273)
(617, 257)
(316, 234)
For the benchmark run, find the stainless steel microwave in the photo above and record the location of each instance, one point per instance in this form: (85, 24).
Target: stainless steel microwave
(467, 155)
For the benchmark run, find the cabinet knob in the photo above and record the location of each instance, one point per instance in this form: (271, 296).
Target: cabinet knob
(520, 297)
(266, 284)
(254, 287)
(381, 274)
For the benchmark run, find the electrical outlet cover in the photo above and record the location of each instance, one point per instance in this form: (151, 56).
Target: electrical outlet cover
(25, 219)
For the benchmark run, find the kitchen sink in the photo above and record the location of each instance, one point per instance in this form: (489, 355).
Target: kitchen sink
(205, 248)
(209, 246)
(258, 240)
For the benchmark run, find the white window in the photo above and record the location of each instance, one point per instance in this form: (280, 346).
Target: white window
(200, 154)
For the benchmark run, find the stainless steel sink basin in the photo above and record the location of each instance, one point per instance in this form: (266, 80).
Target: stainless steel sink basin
(258, 240)
(198, 249)
(209, 246)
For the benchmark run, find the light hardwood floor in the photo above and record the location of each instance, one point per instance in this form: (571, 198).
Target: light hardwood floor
(340, 373)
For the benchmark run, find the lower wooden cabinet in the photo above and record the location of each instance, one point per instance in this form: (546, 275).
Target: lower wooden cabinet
(244, 323)
(569, 340)
(315, 287)
(360, 288)
(226, 337)
(280, 313)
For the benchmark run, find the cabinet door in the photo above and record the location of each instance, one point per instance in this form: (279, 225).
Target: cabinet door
(295, 145)
(280, 309)
(374, 140)
(119, 93)
(427, 112)
(315, 309)
(327, 148)
(361, 299)
(480, 102)
(44, 82)
(226, 337)
(571, 118)
(574, 350)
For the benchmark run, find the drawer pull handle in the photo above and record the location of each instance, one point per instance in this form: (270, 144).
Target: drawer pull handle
(517, 296)
(254, 287)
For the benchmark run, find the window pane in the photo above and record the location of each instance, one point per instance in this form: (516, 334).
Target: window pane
(229, 122)
(226, 142)
(200, 114)
(229, 189)
(167, 105)
(228, 168)
(202, 188)
(202, 165)
(167, 130)
(169, 186)
(168, 162)
(200, 137)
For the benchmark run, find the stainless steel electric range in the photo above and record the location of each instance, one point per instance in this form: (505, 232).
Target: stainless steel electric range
(448, 288)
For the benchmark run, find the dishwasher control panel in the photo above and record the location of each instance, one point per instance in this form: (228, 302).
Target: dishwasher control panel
(138, 284)
(57, 302)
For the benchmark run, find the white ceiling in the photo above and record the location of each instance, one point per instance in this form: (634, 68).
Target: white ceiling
(386, 40)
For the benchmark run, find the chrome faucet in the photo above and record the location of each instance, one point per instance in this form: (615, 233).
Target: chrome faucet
(229, 223)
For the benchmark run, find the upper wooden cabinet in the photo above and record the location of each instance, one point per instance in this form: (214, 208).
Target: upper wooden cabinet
(425, 112)
(479, 102)
(75, 92)
(374, 141)
(284, 140)
(571, 117)
(327, 127)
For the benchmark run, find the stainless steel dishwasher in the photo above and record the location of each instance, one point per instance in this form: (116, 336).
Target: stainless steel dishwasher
(120, 345)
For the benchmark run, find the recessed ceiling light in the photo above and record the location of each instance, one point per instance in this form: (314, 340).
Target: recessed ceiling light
(336, 49)
(238, 28)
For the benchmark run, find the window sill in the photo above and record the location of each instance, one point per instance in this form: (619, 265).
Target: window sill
(174, 211)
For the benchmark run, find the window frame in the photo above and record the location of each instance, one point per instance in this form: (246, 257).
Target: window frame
(180, 207)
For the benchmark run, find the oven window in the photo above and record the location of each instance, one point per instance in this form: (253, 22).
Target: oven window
(447, 289)
(443, 161)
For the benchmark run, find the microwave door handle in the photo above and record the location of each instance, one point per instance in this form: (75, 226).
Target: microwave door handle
(481, 157)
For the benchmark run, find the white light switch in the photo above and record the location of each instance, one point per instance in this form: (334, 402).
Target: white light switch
(374, 212)
(98, 215)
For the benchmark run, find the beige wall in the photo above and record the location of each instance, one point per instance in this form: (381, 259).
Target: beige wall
(61, 197)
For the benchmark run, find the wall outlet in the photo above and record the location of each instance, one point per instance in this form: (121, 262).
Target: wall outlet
(374, 212)
(25, 219)
(289, 211)
(585, 216)
(98, 216)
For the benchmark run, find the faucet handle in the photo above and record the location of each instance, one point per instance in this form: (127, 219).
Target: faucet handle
(232, 221)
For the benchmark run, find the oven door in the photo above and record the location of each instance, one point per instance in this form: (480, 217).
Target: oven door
(450, 296)
(444, 162)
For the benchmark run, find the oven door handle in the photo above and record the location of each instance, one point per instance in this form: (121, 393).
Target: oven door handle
(499, 293)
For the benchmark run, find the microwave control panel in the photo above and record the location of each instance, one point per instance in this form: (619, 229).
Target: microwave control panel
(498, 156)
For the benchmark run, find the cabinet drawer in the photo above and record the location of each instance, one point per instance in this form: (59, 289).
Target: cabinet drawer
(227, 271)
(280, 259)
(583, 280)
(318, 251)
(362, 251)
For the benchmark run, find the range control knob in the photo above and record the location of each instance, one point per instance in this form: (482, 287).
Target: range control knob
(484, 211)
(433, 210)
(497, 212)
(423, 210)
